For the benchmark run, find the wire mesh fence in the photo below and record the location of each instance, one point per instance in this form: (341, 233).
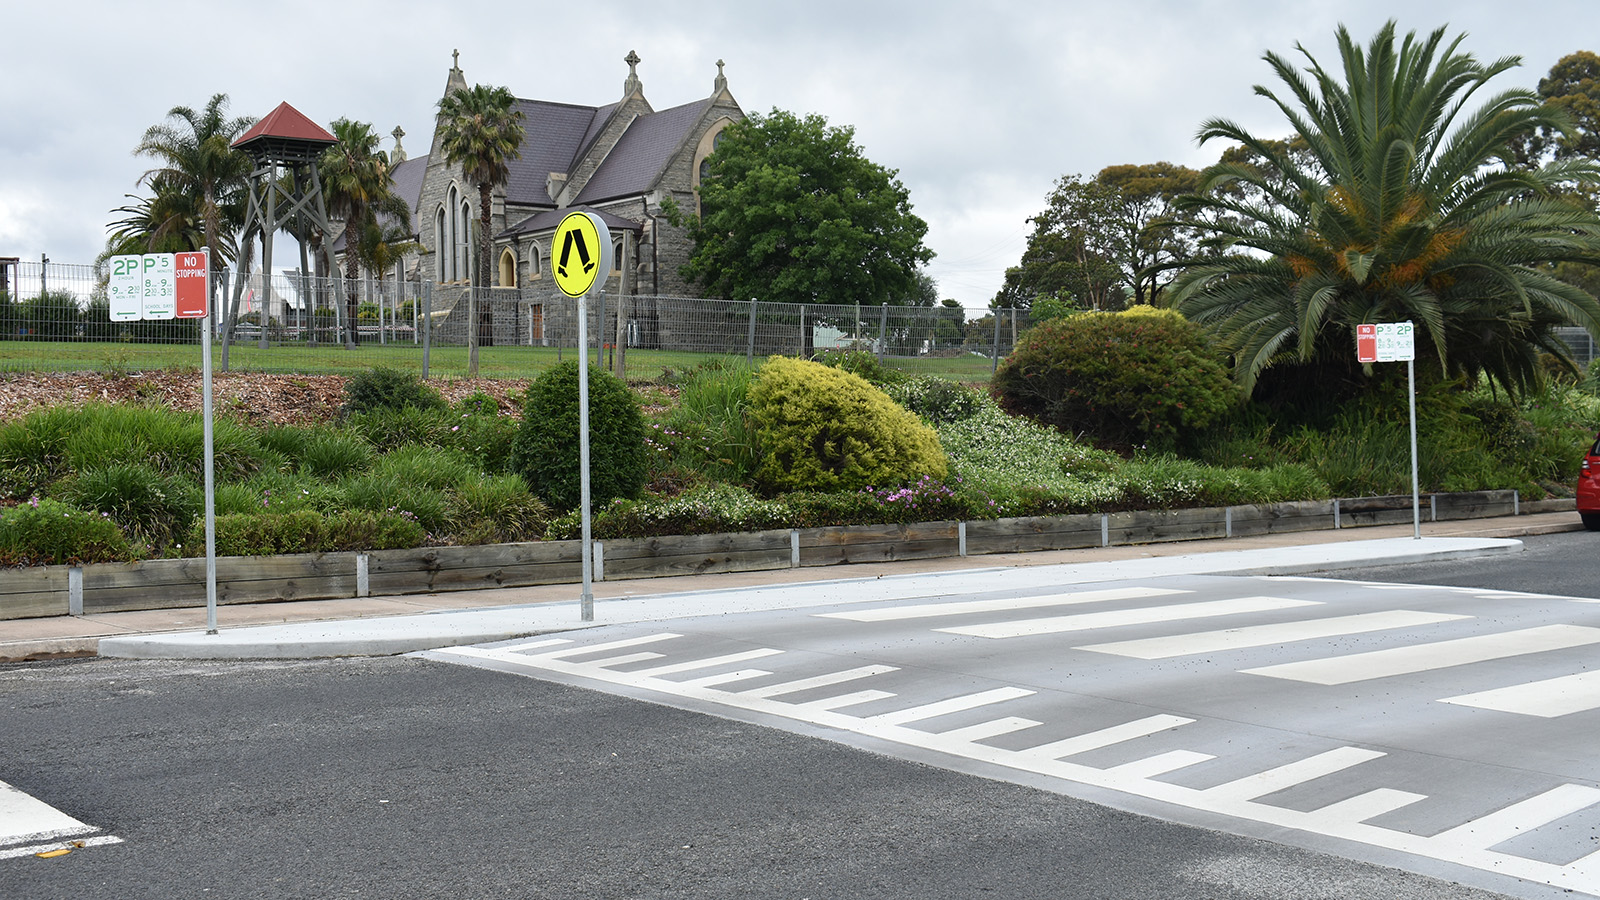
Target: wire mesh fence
(56, 317)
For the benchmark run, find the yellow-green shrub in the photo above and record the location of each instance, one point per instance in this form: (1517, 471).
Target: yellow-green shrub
(822, 429)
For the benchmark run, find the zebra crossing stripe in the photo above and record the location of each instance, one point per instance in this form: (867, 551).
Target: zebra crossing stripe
(1548, 699)
(1118, 617)
(1437, 655)
(1298, 772)
(1268, 635)
(1003, 604)
(1526, 815)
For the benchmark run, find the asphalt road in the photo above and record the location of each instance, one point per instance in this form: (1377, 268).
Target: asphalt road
(1565, 564)
(404, 777)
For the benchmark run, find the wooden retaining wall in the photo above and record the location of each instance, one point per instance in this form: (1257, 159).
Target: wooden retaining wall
(168, 583)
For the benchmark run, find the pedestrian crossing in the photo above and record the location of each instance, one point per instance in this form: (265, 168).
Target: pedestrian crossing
(29, 827)
(1168, 756)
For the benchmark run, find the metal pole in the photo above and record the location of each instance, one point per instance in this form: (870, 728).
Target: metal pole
(883, 327)
(750, 340)
(586, 599)
(1416, 505)
(427, 324)
(210, 455)
(994, 361)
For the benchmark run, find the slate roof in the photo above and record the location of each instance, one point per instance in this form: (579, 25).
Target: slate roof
(547, 220)
(407, 179)
(642, 153)
(555, 136)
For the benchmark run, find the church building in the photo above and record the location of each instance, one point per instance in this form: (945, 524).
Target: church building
(622, 160)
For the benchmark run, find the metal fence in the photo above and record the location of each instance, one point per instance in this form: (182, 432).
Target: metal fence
(56, 317)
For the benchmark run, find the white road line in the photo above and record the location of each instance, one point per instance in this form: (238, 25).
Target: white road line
(952, 705)
(597, 648)
(828, 704)
(1160, 764)
(1004, 604)
(26, 820)
(1105, 737)
(1426, 657)
(724, 678)
(1268, 635)
(1548, 699)
(806, 684)
(1298, 772)
(533, 645)
(624, 659)
(708, 662)
(1369, 805)
(74, 844)
(1526, 815)
(1142, 616)
(985, 730)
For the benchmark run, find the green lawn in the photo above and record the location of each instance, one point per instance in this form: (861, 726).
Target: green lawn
(332, 359)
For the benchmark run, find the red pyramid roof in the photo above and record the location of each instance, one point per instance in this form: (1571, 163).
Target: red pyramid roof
(287, 124)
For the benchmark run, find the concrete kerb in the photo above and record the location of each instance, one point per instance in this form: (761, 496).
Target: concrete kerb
(434, 630)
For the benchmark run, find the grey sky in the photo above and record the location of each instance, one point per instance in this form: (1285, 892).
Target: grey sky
(980, 106)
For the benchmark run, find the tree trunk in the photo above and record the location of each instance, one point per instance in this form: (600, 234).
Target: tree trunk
(485, 266)
(352, 299)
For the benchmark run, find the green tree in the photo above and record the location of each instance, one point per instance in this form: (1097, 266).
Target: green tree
(1148, 230)
(168, 221)
(195, 149)
(481, 131)
(358, 185)
(1573, 86)
(1098, 244)
(792, 211)
(1399, 209)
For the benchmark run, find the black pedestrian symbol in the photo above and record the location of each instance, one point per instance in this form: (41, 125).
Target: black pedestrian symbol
(574, 237)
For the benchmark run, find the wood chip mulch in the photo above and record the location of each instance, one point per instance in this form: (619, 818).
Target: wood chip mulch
(250, 397)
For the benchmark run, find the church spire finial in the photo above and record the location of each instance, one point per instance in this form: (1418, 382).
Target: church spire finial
(721, 84)
(633, 85)
(455, 60)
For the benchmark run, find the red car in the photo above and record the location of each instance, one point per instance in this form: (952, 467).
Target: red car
(1589, 488)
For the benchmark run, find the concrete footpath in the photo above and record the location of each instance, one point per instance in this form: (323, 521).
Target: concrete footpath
(401, 624)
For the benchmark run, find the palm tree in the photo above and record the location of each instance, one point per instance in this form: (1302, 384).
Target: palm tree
(481, 131)
(169, 221)
(1391, 201)
(358, 187)
(198, 160)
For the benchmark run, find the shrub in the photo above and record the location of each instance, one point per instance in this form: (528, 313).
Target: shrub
(496, 510)
(331, 454)
(545, 452)
(151, 507)
(308, 531)
(927, 500)
(382, 388)
(709, 509)
(1123, 380)
(862, 364)
(386, 492)
(709, 429)
(50, 443)
(936, 400)
(477, 403)
(48, 532)
(825, 429)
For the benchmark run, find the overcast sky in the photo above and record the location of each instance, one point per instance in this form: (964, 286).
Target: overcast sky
(980, 106)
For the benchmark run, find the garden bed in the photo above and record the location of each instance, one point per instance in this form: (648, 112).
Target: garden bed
(168, 583)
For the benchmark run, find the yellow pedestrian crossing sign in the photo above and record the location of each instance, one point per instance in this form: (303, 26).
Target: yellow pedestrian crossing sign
(582, 251)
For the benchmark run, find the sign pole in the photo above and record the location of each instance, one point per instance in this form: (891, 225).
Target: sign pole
(1416, 497)
(586, 599)
(581, 266)
(210, 453)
